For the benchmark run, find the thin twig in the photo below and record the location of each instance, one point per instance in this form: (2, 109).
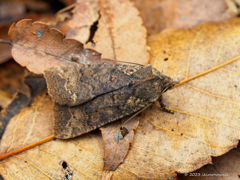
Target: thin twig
(5, 42)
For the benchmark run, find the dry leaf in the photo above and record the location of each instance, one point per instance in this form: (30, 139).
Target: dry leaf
(20, 100)
(85, 14)
(117, 142)
(206, 119)
(11, 78)
(158, 14)
(223, 167)
(38, 47)
(30, 125)
(5, 50)
(120, 34)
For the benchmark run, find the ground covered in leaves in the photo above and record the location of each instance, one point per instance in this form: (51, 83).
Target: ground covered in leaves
(193, 42)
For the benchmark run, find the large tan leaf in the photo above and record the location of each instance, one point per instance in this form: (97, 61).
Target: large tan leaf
(206, 120)
(224, 167)
(162, 14)
(120, 34)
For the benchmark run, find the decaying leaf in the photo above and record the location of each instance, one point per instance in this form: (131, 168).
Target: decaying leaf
(158, 15)
(120, 34)
(38, 47)
(11, 78)
(20, 100)
(86, 13)
(224, 167)
(117, 142)
(206, 119)
(5, 50)
(30, 125)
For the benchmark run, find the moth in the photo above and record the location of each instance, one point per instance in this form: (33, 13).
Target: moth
(90, 96)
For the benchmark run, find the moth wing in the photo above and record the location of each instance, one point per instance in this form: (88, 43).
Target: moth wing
(74, 121)
(76, 84)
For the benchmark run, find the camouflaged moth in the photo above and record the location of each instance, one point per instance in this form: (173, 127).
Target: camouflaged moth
(90, 96)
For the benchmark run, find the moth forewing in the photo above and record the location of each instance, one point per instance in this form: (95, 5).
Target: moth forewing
(96, 95)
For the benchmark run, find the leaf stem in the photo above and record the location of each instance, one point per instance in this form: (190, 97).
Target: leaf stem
(207, 71)
(3, 156)
(2, 41)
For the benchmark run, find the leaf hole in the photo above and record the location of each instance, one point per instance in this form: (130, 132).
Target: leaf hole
(181, 134)
(172, 129)
(165, 59)
(64, 164)
(93, 30)
(124, 131)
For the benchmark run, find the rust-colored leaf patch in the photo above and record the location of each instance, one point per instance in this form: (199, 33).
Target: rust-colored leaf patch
(38, 47)
(117, 139)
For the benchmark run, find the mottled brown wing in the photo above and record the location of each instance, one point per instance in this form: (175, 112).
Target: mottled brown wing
(74, 121)
(75, 84)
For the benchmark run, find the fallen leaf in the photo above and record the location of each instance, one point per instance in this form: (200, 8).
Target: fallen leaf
(158, 15)
(20, 100)
(10, 10)
(30, 125)
(35, 82)
(206, 118)
(11, 78)
(224, 167)
(85, 14)
(120, 37)
(38, 47)
(5, 50)
(117, 142)
(232, 7)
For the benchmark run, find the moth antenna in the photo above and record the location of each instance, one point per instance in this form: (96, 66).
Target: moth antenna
(125, 62)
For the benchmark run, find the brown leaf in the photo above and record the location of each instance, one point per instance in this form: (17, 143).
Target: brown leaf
(158, 15)
(30, 125)
(85, 14)
(5, 50)
(117, 142)
(38, 47)
(120, 34)
(11, 78)
(20, 100)
(206, 118)
(224, 167)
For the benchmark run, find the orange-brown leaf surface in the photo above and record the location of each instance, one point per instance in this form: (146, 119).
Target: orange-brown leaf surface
(38, 47)
(117, 137)
(120, 34)
(85, 14)
(162, 14)
(224, 167)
